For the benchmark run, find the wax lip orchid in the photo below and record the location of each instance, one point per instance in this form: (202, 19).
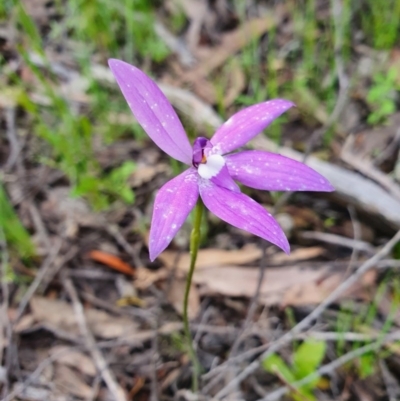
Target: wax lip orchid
(213, 169)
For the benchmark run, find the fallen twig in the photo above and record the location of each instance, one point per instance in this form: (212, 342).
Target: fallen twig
(338, 240)
(15, 147)
(98, 358)
(5, 328)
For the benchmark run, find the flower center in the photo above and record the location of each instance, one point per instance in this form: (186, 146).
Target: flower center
(208, 165)
(199, 155)
(212, 167)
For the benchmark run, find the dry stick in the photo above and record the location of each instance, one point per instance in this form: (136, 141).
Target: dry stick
(5, 321)
(15, 147)
(357, 238)
(57, 265)
(154, 360)
(115, 232)
(330, 367)
(204, 318)
(39, 226)
(334, 239)
(306, 322)
(391, 384)
(41, 274)
(99, 360)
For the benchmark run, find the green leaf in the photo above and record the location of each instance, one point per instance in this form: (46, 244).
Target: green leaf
(308, 357)
(275, 364)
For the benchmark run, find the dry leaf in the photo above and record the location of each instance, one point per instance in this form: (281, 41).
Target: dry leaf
(297, 255)
(24, 323)
(67, 381)
(218, 257)
(112, 261)
(73, 358)
(60, 314)
(282, 285)
(145, 277)
(249, 253)
(213, 257)
(145, 173)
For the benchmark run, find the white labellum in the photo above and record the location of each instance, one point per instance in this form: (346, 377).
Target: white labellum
(212, 167)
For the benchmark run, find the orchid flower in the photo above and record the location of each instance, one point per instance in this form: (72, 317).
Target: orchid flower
(213, 169)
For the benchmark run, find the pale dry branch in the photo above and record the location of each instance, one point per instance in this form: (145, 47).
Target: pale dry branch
(5, 325)
(335, 239)
(98, 358)
(13, 142)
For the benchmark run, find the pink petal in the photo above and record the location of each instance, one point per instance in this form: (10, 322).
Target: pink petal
(273, 172)
(242, 212)
(152, 110)
(223, 179)
(172, 205)
(247, 123)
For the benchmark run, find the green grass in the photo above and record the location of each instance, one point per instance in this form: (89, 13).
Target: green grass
(381, 23)
(381, 96)
(16, 236)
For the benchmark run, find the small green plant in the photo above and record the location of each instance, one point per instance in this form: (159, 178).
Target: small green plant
(15, 233)
(381, 96)
(103, 190)
(306, 360)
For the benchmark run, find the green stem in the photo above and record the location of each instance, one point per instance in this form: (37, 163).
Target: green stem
(194, 247)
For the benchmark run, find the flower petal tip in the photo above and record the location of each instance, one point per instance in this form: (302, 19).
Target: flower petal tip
(325, 186)
(113, 63)
(286, 249)
(283, 243)
(153, 255)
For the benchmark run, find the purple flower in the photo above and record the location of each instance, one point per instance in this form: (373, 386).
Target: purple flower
(213, 170)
